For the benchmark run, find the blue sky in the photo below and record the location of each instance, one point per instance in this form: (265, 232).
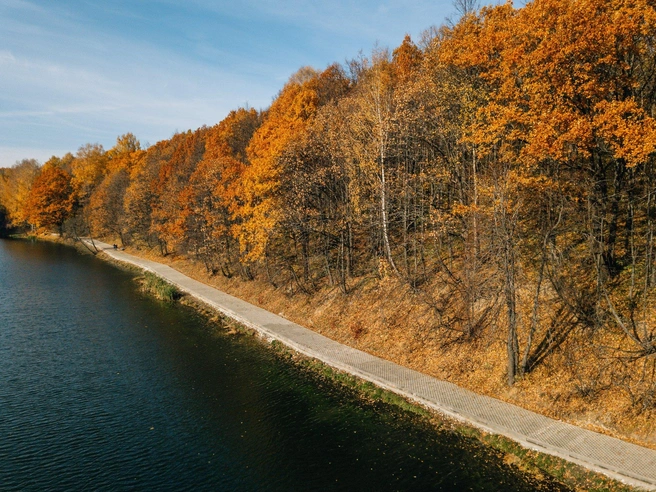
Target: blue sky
(85, 71)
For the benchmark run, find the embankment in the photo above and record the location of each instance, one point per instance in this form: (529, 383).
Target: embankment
(619, 459)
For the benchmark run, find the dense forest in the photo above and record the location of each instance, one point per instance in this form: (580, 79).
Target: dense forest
(502, 169)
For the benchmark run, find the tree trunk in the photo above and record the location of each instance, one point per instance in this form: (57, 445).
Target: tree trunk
(383, 211)
(504, 223)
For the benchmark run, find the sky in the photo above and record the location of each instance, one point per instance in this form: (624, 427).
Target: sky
(86, 71)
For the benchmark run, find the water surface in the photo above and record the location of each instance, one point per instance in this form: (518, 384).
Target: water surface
(105, 388)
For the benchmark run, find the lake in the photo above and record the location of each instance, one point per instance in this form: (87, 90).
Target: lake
(105, 388)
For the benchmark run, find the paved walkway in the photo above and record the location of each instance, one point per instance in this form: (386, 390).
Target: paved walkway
(621, 460)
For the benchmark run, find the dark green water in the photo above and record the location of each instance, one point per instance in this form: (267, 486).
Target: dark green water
(104, 388)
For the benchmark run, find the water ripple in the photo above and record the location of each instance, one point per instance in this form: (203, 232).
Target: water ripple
(105, 389)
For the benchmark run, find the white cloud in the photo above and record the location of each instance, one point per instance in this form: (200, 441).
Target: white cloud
(24, 113)
(6, 57)
(76, 75)
(22, 5)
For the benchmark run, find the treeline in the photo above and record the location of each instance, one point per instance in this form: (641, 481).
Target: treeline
(503, 168)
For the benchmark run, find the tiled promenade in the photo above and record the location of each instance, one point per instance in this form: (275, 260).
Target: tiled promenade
(627, 462)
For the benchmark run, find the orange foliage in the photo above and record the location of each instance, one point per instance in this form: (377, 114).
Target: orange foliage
(406, 59)
(15, 184)
(88, 169)
(211, 190)
(178, 160)
(560, 76)
(50, 200)
(259, 208)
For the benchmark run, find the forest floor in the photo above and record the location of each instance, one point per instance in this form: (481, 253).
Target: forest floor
(386, 319)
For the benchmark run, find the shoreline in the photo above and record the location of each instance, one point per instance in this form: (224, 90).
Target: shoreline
(620, 460)
(385, 318)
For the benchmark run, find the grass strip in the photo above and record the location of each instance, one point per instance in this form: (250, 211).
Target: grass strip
(159, 287)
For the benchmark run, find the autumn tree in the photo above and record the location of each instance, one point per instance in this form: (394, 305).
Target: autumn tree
(381, 151)
(88, 169)
(372, 129)
(50, 200)
(106, 203)
(64, 163)
(210, 194)
(305, 164)
(140, 196)
(178, 160)
(15, 184)
(259, 212)
(263, 188)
